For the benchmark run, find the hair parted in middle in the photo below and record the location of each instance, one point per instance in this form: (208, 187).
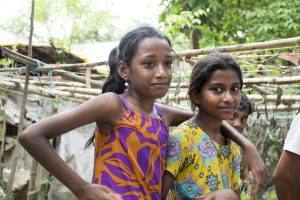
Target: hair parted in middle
(206, 66)
(124, 52)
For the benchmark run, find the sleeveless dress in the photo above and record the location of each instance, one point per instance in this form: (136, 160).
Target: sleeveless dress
(131, 159)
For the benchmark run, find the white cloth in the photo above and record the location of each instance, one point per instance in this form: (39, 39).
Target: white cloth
(292, 140)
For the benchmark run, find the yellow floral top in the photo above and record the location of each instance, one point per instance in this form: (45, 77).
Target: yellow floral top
(199, 164)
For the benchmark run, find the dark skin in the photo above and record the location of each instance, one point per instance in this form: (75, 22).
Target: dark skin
(151, 64)
(286, 176)
(106, 109)
(221, 96)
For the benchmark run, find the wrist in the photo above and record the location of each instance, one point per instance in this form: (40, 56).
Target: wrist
(247, 144)
(77, 190)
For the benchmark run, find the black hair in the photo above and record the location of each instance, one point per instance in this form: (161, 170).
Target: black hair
(113, 82)
(245, 104)
(206, 66)
(126, 50)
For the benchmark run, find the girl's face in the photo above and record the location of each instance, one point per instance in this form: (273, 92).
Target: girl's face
(150, 73)
(220, 95)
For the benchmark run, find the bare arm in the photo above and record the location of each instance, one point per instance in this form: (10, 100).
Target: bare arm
(251, 158)
(175, 116)
(35, 140)
(286, 176)
(167, 181)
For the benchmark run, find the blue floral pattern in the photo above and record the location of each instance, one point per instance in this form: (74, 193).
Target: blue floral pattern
(199, 164)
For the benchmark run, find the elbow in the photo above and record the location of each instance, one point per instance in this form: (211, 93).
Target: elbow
(24, 137)
(27, 137)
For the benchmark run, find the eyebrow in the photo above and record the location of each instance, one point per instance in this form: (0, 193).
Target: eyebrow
(221, 84)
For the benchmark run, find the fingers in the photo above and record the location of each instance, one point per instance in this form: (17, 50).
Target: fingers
(116, 196)
(106, 189)
(245, 176)
(111, 196)
(267, 176)
(260, 179)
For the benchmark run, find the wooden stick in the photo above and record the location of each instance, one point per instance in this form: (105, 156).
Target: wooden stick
(242, 47)
(44, 92)
(278, 108)
(74, 77)
(89, 91)
(48, 67)
(17, 150)
(35, 63)
(250, 81)
(62, 86)
(260, 90)
(268, 98)
(3, 136)
(43, 82)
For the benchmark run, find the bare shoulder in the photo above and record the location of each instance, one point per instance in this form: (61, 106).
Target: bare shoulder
(174, 116)
(105, 107)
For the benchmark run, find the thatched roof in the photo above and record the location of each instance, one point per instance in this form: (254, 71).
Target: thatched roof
(46, 53)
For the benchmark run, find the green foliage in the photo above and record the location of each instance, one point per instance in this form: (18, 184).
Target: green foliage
(5, 62)
(3, 190)
(65, 22)
(231, 21)
(55, 104)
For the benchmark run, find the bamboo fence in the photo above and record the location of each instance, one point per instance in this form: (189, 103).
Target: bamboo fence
(270, 86)
(66, 84)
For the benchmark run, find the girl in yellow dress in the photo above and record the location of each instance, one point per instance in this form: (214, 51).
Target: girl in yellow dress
(200, 160)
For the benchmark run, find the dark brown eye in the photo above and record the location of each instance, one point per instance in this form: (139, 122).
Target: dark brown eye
(169, 64)
(216, 89)
(149, 64)
(236, 89)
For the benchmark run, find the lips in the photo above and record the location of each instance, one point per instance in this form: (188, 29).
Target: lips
(160, 85)
(228, 108)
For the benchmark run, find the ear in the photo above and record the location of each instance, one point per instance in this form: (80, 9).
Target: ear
(123, 71)
(194, 97)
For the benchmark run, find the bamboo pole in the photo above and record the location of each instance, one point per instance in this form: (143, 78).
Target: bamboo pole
(267, 98)
(36, 65)
(250, 56)
(65, 86)
(43, 82)
(17, 150)
(48, 67)
(264, 80)
(272, 80)
(277, 108)
(293, 47)
(241, 47)
(89, 91)
(274, 98)
(3, 137)
(52, 93)
(74, 77)
(260, 90)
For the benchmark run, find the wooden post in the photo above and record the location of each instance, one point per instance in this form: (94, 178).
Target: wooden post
(16, 153)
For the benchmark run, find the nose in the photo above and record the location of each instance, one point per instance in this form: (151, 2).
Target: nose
(161, 71)
(236, 123)
(228, 97)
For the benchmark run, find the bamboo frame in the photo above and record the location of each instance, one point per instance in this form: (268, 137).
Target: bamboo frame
(242, 47)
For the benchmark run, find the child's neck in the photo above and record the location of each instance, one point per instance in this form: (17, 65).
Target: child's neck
(139, 104)
(211, 126)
